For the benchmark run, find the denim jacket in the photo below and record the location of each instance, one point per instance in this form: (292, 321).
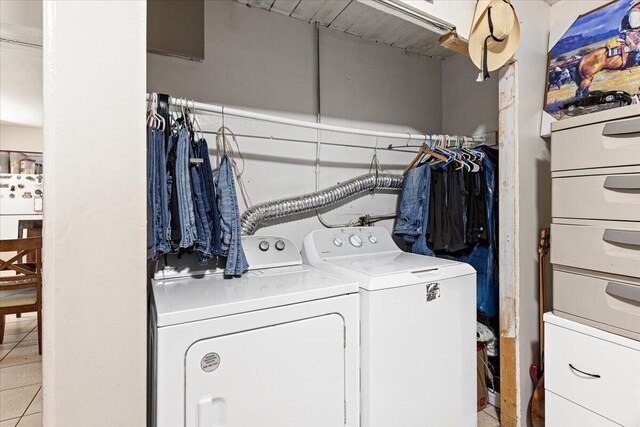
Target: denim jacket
(230, 220)
(413, 211)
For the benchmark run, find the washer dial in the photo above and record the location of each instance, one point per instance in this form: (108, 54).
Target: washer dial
(355, 240)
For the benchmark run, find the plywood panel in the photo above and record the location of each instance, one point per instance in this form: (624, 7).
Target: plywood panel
(348, 16)
(306, 9)
(359, 19)
(284, 7)
(380, 27)
(392, 32)
(409, 38)
(426, 41)
(368, 19)
(436, 51)
(329, 11)
(262, 4)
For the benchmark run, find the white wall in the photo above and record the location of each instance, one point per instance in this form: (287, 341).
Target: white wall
(95, 285)
(20, 138)
(534, 181)
(263, 61)
(468, 107)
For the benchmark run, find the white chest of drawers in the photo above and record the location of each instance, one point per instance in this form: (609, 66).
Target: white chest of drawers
(592, 347)
(590, 375)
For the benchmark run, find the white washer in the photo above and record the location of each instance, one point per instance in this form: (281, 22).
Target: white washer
(277, 347)
(418, 328)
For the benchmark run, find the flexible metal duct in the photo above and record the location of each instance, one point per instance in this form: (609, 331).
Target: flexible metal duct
(254, 216)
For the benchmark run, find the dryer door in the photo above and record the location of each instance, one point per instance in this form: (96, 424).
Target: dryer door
(290, 374)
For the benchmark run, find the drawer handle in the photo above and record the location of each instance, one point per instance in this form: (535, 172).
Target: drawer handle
(619, 290)
(624, 127)
(623, 237)
(583, 372)
(631, 182)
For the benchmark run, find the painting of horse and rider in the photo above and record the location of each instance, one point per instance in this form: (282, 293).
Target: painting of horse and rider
(596, 63)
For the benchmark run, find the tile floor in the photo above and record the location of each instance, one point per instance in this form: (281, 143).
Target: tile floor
(20, 373)
(489, 417)
(21, 377)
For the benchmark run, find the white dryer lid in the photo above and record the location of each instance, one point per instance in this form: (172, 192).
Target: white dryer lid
(188, 299)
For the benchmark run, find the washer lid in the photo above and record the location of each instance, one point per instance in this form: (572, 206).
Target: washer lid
(189, 299)
(396, 269)
(391, 263)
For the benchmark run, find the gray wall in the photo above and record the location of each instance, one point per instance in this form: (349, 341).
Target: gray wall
(263, 61)
(468, 107)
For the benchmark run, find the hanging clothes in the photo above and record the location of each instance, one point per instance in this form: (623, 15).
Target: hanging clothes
(484, 257)
(175, 231)
(190, 207)
(157, 195)
(236, 263)
(184, 190)
(448, 211)
(412, 218)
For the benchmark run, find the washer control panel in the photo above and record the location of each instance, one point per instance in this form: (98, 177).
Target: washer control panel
(336, 242)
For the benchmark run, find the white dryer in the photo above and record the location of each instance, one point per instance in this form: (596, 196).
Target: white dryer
(277, 347)
(418, 328)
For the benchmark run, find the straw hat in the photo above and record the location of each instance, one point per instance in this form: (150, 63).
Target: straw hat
(495, 28)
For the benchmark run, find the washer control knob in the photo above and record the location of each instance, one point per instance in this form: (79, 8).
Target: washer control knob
(280, 245)
(355, 240)
(337, 241)
(263, 245)
(373, 239)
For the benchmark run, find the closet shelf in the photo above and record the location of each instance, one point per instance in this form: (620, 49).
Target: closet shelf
(383, 21)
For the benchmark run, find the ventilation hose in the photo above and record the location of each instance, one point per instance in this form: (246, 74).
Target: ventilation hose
(253, 217)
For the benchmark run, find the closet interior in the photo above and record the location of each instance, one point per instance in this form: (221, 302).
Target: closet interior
(339, 115)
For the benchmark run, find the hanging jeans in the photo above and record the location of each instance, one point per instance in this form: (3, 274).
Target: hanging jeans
(158, 196)
(202, 243)
(484, 257)
(413, 212)
(210, 204)
(230, 220)
(207, 241)
(184, 190)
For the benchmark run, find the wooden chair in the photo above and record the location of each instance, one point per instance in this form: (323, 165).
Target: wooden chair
(20, 283)
(29, 228)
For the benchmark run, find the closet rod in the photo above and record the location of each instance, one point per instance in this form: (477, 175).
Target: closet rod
(220, 109)
(405, 148)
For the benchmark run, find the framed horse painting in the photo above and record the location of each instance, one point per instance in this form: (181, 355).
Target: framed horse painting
(595, 64)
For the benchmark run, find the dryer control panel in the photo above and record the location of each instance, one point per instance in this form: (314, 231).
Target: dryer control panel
(261, 252)
(340, 242)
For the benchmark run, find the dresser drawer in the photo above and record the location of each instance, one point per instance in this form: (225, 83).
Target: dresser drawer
(560, 412)
(616, 143)
(601, 375)
(607, 300)
(611, 247)
(606, 197)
